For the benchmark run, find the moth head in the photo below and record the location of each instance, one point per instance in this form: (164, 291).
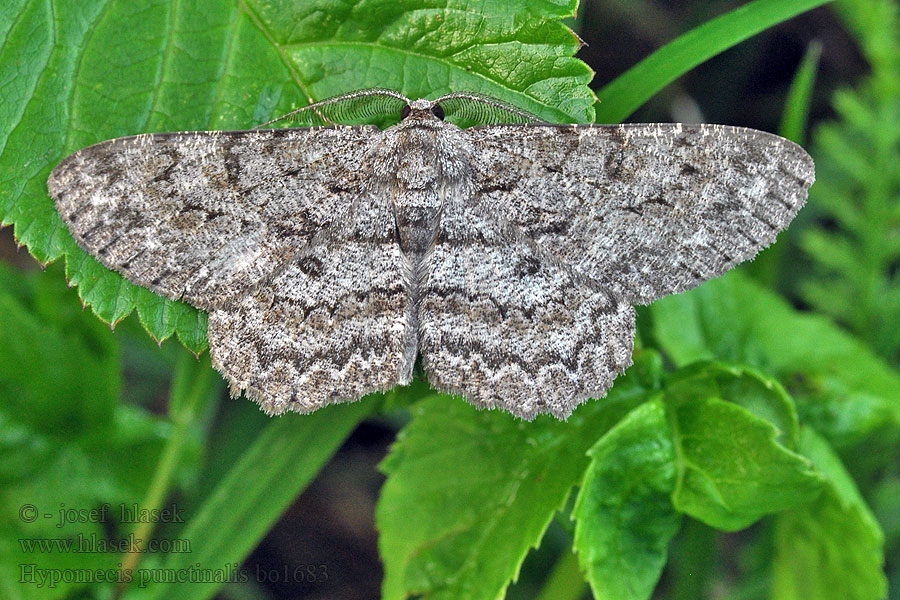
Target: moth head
(422, 110)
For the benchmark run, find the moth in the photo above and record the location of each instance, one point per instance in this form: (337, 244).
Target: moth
(506, 256)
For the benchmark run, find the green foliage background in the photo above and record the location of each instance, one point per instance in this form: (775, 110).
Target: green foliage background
(740, 411)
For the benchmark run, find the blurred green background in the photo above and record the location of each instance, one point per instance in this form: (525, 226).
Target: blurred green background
(86, 411)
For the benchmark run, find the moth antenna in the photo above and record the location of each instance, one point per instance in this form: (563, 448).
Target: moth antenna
(481, 109)
(351, 105)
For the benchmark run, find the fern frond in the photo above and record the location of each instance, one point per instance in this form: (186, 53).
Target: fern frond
(856, 243)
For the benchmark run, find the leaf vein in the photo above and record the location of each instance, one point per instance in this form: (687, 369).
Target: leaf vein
(278, 47)
(76, 74)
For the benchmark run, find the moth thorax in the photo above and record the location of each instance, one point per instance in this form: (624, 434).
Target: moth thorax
(416, 172)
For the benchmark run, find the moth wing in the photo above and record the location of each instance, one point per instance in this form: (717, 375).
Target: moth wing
(645, 209)
(203, 216)
(333, 325)
(508, 326)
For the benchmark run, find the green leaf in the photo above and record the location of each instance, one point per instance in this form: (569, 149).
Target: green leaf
(768, 265)
(747, 387)
(731, 468)
(841, 389)
(831, 549)
(624, 516)
(796, 108)
(854, 214)
(58, 371)
(66, 479)
(279, 464)
(72, 76)
(874, 24)
(629, 91)
(469, 492)
(65, 439)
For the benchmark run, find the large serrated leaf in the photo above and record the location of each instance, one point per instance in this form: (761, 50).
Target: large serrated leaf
(81, 73)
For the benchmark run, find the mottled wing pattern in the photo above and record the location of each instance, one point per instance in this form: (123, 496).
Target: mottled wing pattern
(202, 216)
(334, 325)
(508, 326)
(645, 209)
(313, 250)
